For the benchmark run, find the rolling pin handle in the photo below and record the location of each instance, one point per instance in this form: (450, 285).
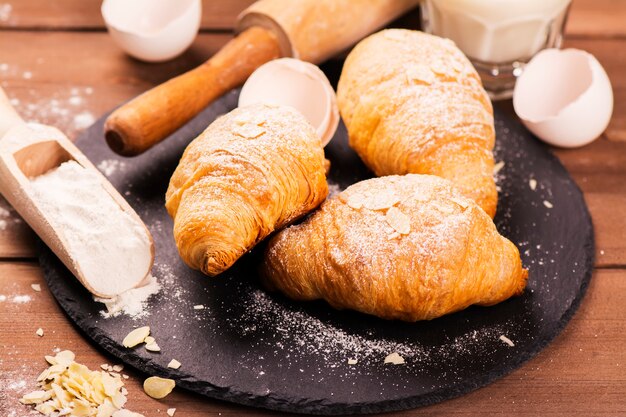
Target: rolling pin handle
(151, 117)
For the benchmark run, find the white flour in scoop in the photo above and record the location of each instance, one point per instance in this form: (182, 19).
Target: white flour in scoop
(110, 247)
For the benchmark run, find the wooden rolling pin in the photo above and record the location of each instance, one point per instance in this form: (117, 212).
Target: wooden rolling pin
(311, 30)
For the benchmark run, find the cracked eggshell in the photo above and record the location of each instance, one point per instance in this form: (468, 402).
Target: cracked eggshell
(564, 97)
(152, 30)
(299, 84)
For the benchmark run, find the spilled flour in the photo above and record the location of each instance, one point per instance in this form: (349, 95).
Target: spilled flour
(132, 302)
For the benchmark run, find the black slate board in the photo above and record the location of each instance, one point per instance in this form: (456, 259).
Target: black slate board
(260, 349)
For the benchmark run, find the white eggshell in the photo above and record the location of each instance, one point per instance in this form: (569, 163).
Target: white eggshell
(299, 84)
(564, 97)
(152, 30)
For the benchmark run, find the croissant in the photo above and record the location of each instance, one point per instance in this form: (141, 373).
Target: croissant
(413, 103)
(250, 172)
(406, 247)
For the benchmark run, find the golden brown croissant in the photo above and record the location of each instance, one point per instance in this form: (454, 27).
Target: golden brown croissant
(250, 172)
(406, 247)
(413, 103)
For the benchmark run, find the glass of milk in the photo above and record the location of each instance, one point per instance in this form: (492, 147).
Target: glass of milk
(498, 36)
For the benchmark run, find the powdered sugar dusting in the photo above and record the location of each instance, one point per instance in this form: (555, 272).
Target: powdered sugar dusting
(65, 109)
(132, 302)
(110, 166)
(5, 12)
(8, 216)
(333, 188)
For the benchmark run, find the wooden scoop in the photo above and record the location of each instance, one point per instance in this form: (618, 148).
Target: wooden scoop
(30, 150)
(311, 30)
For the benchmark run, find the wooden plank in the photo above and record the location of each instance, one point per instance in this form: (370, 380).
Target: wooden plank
(587, 17)
(604, 18)
(547, 385)
(85, 14)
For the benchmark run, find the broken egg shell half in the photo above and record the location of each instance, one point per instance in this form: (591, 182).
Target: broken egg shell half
(152, 30)
(564, 97)
(299, 84)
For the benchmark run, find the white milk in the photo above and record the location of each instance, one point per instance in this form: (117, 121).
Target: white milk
(499, 31)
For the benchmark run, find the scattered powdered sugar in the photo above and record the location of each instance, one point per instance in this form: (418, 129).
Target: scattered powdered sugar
(314, 336)
(83, 120)
(4, 213)
(17, 385)
(132, 302)
(7, 215)
(333, 189)
(110, 166)
(21, 299)
(63, 109)
(5, 12)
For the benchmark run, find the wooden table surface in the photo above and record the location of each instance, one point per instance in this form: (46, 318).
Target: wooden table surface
(61, 68)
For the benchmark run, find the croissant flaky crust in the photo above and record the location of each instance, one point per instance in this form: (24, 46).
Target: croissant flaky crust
(399, 247)
(413, 103)
(250, 172)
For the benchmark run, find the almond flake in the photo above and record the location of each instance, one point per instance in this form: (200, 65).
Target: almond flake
(547, 204)
(118, 368)
(149, 340)
(398, 220)
(249, 131)
(36, 397)
(394, 35)
(463, 203)
(381, 201)
(118, 400)
(36, 287)
(507, 340)
(136, 337)
(355, 201)
(65, 357)
(39, 332)
(420, 75)
(532, 183)
(157, 387)
(497, 167)
(106, 410)
(104, 366)
(153, 347)
(170, 411)
(352, 361)
(198, 307)
(394, 359)
(174, 364)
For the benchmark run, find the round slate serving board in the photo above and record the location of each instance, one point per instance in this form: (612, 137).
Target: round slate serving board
(256, 348)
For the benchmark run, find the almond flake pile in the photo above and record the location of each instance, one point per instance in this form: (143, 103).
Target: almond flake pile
(70, 388)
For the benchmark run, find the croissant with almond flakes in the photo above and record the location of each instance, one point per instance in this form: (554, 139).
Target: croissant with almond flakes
(406, 247)
(413, 103)
(252, 171)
